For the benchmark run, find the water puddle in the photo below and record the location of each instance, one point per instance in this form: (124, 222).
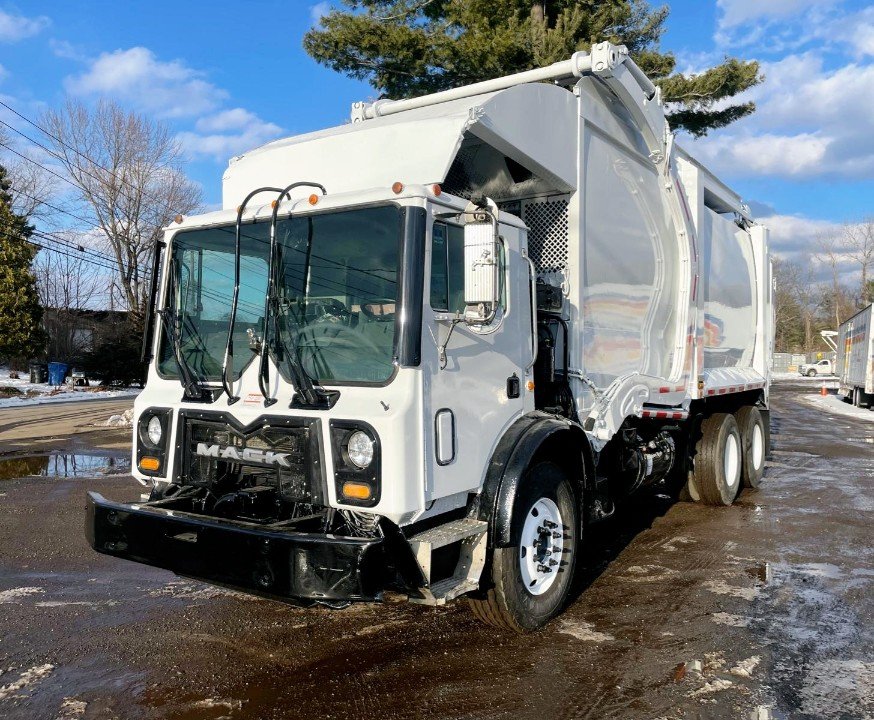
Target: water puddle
(63, 465)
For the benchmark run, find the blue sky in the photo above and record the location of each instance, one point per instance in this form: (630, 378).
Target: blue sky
(230, 79)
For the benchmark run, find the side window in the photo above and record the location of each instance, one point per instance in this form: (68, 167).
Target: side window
(447, 268)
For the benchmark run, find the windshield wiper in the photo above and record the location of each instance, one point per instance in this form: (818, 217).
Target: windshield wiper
(228, 361)
(170, 319)
(299, 377)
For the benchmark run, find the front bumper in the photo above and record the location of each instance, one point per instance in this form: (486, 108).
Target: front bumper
(298, 567)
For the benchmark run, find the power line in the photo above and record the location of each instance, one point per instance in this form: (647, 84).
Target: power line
(53, 207)
(89, 160)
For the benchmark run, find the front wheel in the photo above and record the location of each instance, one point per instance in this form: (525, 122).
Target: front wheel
(532, 578)
(811, 373)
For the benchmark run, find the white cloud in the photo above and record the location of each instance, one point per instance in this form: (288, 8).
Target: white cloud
(67, 51)
(810, 121)
(234, 119)
(17, 27)
(228, 133)
(318, 11)
(135, 76)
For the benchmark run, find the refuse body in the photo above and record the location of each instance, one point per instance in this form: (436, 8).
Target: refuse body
(57, 373)
(38, 372)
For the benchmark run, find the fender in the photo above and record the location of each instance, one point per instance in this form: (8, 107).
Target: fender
(512, 457)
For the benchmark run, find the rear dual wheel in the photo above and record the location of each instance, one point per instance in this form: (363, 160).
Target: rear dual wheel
(729, 453)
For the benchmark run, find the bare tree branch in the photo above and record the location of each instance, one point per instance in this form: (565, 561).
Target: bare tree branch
(128, 171)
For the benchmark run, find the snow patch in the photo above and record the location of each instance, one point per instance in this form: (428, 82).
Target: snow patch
(745, 668)
(722, 618)
(25, 680)
(583, 631)
(720, 587)
(72, 709)
(16, 594)
(711, 687)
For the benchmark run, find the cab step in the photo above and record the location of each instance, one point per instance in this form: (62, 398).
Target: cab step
(471, 534)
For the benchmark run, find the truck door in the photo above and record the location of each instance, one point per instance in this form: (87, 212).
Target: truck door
(476, 387)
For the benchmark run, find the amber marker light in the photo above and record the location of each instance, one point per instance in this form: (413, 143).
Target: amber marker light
(397, 188)
(178, 218)
(149, 463)
(530, 386)
(273, 203)
(356, 491)
(436, 189)
(313, 199)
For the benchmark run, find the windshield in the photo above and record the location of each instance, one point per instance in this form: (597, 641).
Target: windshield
(337, 291)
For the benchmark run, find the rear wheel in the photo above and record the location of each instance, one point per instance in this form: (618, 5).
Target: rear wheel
(753, 438)
(532, 578)
(716, 464)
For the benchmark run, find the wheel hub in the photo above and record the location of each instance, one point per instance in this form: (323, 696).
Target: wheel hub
(541, 546)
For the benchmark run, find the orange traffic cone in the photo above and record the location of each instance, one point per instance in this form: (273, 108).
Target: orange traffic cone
(823, 390)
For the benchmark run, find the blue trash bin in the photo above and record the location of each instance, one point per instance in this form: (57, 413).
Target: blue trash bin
(57, 373)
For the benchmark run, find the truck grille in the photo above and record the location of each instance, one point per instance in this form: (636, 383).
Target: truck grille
(214, 449)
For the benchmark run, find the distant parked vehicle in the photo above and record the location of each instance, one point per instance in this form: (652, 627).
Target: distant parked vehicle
(856, 358)
(823, 367)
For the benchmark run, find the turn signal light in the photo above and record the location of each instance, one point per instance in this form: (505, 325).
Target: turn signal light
(313, 199)
(149, 463)
(357, 491)
(397, 188)
(530, 386)
(437, 190)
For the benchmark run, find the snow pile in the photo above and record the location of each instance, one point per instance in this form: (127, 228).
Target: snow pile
(835, 404)
(124, 420)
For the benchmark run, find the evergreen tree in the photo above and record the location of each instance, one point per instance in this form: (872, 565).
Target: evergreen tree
(21, 336)
(406, 48)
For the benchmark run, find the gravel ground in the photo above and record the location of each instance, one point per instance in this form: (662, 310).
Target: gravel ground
(760, 610)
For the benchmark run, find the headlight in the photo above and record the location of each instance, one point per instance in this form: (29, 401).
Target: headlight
(155, 430)
(360, 449)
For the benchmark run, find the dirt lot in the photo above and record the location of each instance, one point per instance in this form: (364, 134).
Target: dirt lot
(772, 599)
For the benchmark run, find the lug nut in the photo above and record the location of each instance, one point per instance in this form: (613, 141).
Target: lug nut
(553, 563)
(556, 535)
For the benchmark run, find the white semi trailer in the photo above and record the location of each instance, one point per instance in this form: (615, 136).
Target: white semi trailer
(423, 351)
(855, 366)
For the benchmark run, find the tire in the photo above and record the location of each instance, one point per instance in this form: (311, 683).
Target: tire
(523, 598)
(811, 373)
(716, 465)
(754, 436)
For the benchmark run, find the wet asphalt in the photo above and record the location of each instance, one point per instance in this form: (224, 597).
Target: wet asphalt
(764, 609)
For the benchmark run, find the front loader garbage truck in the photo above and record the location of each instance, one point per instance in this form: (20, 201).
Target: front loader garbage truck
(423, 351)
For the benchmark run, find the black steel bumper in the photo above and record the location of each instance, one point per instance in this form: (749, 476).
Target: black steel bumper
(293, 566)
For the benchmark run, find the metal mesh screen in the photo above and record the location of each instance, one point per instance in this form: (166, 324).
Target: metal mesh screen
(548, 234)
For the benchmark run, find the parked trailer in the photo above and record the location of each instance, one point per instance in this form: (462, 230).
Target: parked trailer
(422, 352)
(855, 366)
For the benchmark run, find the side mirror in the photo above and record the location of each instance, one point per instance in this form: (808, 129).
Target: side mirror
(481, 287)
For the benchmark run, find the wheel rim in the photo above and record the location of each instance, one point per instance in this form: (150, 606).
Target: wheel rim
(731, 461)
(758, 448)
(541, 546)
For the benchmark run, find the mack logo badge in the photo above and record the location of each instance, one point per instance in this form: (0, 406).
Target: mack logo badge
(262, 457)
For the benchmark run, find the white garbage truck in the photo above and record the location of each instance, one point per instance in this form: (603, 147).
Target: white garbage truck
(422, 352)
(855, 366)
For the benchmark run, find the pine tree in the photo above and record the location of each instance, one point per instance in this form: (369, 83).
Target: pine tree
(406, 48)
(21, 336)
